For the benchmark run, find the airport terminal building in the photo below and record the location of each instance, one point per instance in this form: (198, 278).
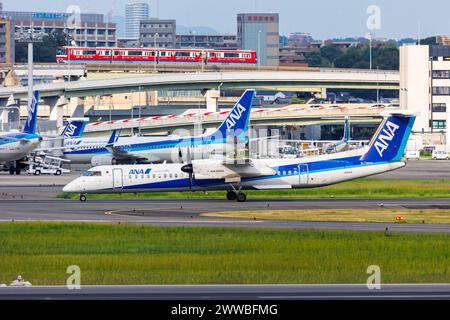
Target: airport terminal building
(90, 30)
(425, 88)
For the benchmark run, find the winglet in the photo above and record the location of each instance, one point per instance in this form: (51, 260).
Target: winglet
(346, 130)
(30, 125)
(113, 139)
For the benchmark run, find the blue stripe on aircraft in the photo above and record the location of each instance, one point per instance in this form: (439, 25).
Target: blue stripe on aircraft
(313, 167)
(19, 135)
(88, 151)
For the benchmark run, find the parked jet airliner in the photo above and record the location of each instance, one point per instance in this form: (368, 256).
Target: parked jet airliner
(97, 151)
(16, 145)
(383, 154)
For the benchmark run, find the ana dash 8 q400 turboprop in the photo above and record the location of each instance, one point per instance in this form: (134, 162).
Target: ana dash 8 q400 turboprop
(383, 154)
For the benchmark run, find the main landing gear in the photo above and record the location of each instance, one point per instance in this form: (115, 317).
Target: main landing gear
(83, 198)
(239, 196)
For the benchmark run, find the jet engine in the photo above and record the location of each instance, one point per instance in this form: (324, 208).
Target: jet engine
(103, 160)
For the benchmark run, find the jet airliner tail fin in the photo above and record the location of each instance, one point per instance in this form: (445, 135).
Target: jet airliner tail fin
(235, 124)
(30, 125)
(389, 142)
(74, 129)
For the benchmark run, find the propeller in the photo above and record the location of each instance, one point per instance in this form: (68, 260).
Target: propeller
(189, 168)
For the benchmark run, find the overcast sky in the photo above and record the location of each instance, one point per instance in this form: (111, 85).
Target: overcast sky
(322, 18)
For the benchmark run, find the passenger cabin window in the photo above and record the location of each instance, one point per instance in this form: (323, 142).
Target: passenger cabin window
(92, 174)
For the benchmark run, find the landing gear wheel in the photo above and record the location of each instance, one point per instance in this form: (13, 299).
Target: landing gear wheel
(11, 170)
(241, 197)
(18, 170)
(231, 195)
(83, 198)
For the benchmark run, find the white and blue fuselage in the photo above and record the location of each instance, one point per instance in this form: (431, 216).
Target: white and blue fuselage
(15, 146)
(173, 149)
(384, 154)
(286, 174)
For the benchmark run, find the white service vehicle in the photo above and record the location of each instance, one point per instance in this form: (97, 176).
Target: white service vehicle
(48, 165)
(412, 155)
(440, 155)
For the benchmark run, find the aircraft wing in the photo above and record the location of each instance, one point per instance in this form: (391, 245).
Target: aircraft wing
(232, 170)
(130, 157)
(70, 147)
(14, 139)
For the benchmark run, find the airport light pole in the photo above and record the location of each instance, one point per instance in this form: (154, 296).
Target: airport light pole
(378, 87)
(139, 110)
(259, 50)
(30, 38)
(154, 46)
(369, 36)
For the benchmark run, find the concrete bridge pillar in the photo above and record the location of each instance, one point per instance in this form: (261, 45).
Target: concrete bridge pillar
(153, 95)
(212, 98)
(76, 107)
(56, 105)
(323, 93)
(447, 137)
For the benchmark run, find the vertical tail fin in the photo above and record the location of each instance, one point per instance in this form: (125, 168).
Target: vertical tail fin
(389, 142)
(236, 123)
(30, 125)
(346, 130)
(74, 129)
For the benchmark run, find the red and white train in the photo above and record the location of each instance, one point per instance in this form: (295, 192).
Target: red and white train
(68, 54)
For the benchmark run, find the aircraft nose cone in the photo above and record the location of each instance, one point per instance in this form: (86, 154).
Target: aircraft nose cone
(71, 187)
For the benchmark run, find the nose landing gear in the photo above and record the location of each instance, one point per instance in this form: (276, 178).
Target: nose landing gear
(83, 198)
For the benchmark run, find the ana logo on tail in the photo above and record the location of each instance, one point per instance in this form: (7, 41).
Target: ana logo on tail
(70, 131)
(386, 136)
(235, 116)
(32, 110)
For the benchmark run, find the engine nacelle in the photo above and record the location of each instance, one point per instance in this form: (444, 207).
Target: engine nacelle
(103, 160)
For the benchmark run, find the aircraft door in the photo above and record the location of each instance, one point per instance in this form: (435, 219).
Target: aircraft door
(117, 177)
(303, 173)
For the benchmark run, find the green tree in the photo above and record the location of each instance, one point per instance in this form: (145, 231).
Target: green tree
(314, 59)
(44, 51)
(429, 41)
(330, 53)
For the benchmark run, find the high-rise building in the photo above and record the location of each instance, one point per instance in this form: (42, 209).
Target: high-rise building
(135, 11)
(7, 43)
(87, 30)
(212, 41)
(425, 89)
(159, 33)
(260, 32)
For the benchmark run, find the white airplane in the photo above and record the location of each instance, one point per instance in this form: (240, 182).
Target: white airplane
(15, 145)
(341, 145)
(383, 154)
(104, 151)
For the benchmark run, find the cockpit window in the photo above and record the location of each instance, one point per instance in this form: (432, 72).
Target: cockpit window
(92, 174)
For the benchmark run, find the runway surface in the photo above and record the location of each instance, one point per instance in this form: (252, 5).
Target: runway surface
(233, 292)
(32, 198)
(188, 212)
